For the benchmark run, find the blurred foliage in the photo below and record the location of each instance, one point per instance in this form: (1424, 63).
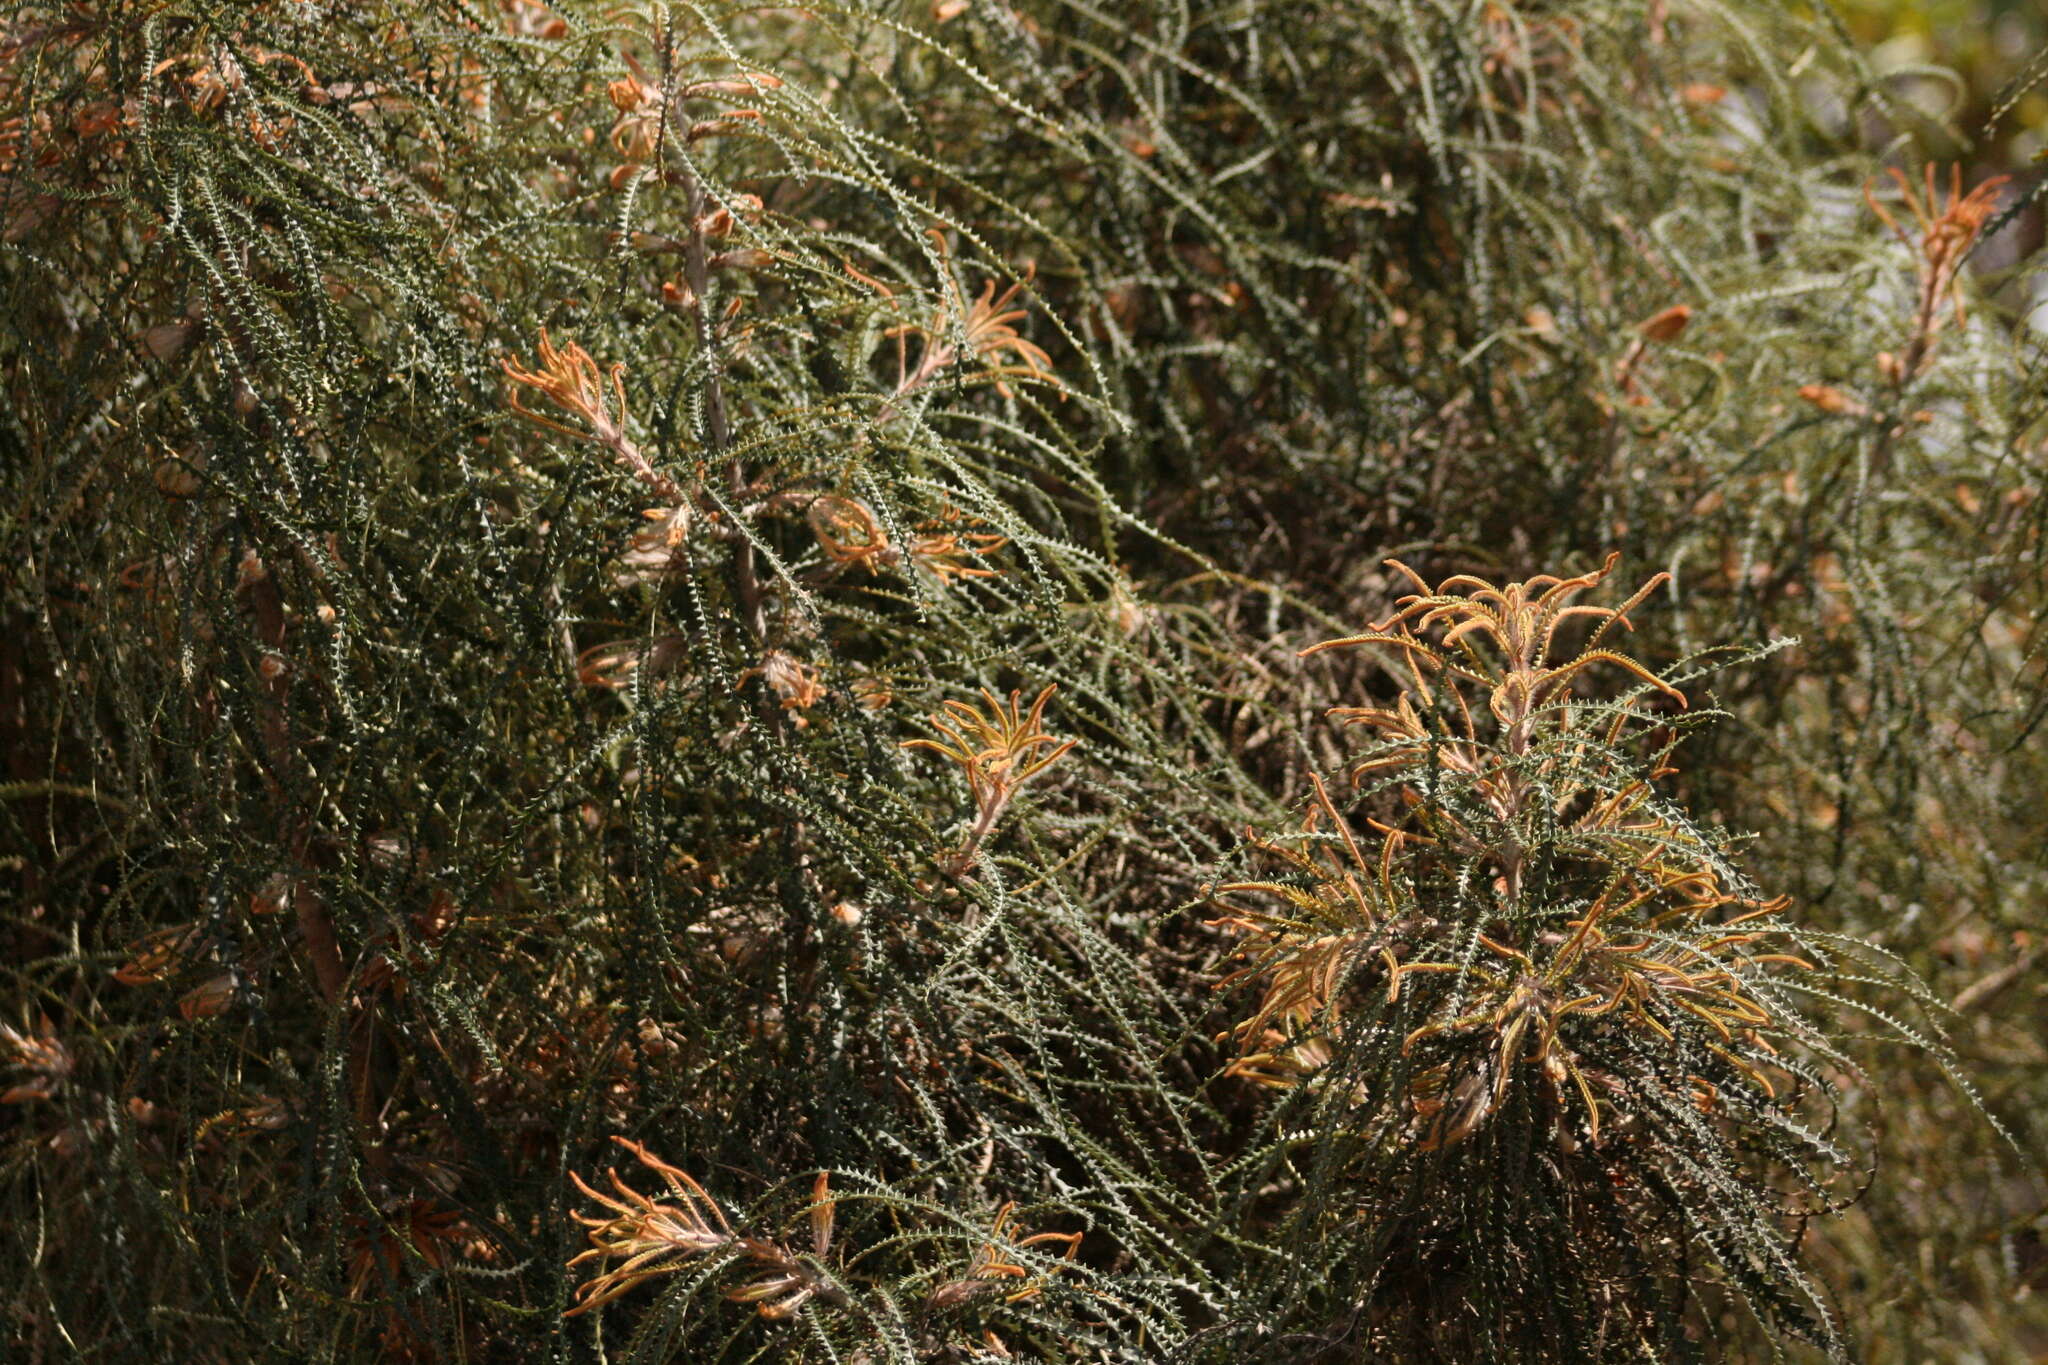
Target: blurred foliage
(741, 588)
(1988, 52)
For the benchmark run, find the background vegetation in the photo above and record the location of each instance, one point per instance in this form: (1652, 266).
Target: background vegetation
(719, 592)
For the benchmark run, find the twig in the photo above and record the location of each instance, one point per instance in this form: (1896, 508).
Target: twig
(316, 927)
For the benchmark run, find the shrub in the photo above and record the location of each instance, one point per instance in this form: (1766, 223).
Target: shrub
(718, 583)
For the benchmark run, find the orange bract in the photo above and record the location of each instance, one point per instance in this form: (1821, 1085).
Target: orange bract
(990, 331)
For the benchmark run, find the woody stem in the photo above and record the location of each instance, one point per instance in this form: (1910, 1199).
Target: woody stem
(718, 430)
(984, 824)
(316, 927)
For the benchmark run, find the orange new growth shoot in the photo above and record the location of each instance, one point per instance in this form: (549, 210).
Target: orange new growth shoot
(992, 1264)
(998, 750)
(653, 1237)
(1622, 924)
(1946, 237)
(648, 1237)
(573, 381)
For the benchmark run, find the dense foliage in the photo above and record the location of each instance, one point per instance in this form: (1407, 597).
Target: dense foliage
(950, 681)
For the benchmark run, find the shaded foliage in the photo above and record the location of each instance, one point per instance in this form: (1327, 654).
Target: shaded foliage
(533, 528)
